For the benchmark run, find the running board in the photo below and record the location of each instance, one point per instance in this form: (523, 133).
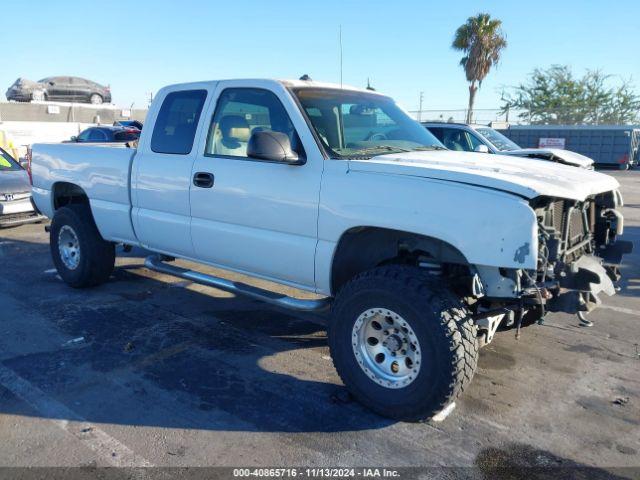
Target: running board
(154, 262)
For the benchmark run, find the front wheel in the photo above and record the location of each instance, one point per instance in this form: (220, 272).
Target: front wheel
(95, 99)
(403, 344)
(81, 256)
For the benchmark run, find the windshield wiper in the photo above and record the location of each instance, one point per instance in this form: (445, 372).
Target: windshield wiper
(389, 148)
(429, 147)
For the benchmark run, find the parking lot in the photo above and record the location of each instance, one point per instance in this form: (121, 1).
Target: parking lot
(152, 370)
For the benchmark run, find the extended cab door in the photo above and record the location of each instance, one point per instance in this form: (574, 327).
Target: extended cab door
(161, 173)
(256, 216)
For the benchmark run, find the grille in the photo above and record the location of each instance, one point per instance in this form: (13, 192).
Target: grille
(576, 228)
(558, 215)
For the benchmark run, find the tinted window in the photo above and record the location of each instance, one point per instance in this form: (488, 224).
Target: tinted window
(241, 112)
(456, 139)
(475, 141)
(177, 122)
(84, 136)
(437, 132)
(97, 135)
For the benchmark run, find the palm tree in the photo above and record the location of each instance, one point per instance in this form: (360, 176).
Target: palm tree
(481, 39)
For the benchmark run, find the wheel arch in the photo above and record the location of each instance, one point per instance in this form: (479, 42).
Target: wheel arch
(67, 193)
(365, 247)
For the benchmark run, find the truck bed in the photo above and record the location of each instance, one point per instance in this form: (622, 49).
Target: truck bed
(103, 171)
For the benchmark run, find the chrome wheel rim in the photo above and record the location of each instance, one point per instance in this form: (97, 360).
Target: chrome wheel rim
(69, 247)
(386, 348)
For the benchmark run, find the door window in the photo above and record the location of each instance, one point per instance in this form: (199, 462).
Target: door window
(97, 135)
(240, 113)
(84, 136)
(456, 139)
(474, 141)
(437, 132)
(177, 122)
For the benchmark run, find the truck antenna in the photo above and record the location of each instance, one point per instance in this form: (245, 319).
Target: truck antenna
(340, 42)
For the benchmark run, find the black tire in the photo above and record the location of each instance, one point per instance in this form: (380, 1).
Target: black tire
(445, 331)
(98, 97)
(97, 256)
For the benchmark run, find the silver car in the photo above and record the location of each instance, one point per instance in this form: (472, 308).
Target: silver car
(484, 139)
(16, 206)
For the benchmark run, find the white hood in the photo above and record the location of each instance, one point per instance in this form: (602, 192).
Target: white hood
(554, 154)
(528, 178)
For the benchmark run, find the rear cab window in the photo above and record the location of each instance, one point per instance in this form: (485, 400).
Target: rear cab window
(175, 127)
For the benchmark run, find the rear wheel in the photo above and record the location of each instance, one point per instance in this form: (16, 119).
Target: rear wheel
(403, 344)
(81, 256)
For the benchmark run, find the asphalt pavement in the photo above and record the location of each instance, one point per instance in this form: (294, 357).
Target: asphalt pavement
(152, 370)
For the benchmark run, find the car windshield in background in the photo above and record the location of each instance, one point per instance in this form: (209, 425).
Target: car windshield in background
(362, 125)
(501, 142)
(7, 162)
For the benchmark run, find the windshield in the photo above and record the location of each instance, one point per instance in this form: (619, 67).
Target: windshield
(7, 162)
(498, 140)
(362, 125)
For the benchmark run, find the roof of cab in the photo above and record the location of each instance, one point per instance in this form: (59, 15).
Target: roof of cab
(285, 82)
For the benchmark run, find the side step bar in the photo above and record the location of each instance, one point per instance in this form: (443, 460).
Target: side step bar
(154, 262)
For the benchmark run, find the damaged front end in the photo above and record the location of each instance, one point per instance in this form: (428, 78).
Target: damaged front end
(578, 251)
(578, 260)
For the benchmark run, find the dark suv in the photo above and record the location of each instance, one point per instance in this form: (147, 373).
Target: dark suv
(65, 89)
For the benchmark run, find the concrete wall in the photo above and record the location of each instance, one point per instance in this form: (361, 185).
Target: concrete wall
(66, 112)
(37, 122)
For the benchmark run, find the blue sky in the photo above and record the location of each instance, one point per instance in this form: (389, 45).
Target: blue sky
(402, 46)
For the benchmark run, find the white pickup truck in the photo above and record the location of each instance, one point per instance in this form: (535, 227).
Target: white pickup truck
(421, 253)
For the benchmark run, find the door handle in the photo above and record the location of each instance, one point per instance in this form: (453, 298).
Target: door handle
(203, 180)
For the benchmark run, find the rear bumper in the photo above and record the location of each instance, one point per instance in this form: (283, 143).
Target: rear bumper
(15, 219)
(18, 212)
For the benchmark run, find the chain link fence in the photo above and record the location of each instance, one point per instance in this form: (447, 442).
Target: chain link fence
(559, 116)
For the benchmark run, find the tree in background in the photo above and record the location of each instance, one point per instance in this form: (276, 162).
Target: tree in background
(481, 40)
(556, 97)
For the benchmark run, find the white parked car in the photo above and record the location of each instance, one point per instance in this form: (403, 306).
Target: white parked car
(484, 139)
(16, 207)
(420, 252)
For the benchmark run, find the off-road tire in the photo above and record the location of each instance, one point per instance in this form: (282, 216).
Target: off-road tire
(97, 256)
(445, 331)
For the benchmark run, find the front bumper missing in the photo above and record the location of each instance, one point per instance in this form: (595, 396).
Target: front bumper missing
(582, 284)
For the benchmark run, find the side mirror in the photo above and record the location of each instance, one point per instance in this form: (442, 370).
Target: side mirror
(272, 146)
(481, 148)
